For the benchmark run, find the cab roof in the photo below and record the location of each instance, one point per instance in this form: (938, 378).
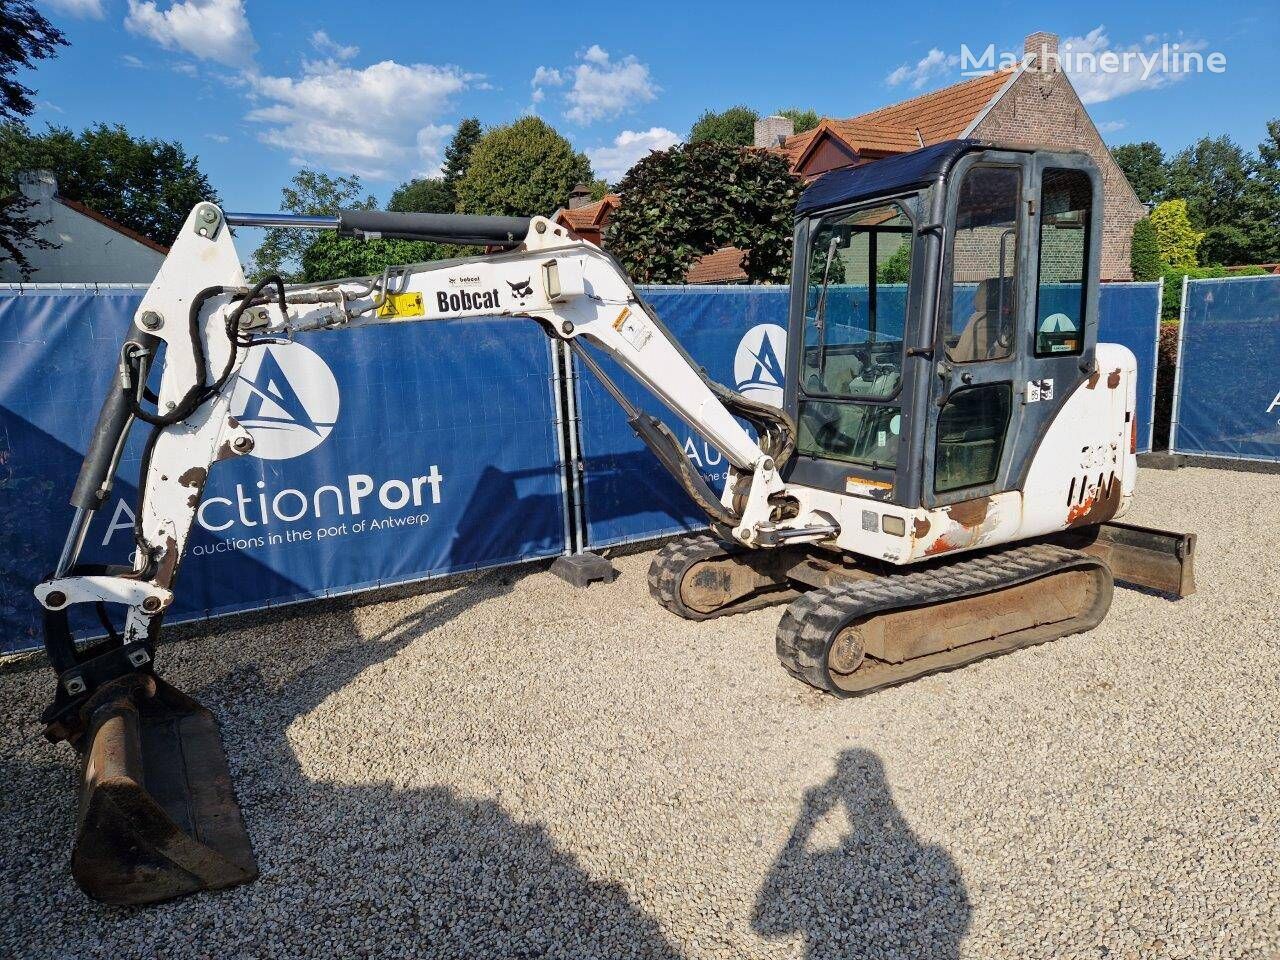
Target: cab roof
(884, 177)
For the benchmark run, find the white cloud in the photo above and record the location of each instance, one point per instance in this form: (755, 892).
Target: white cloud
(931, 65)
(1111, 126)
(217, 137)
(84, 9)
(613, 161)
(1143, 66)
(328, 47)
(129, 60)
(358, 120)
(207, 29)
(547, 77)
(601, 87)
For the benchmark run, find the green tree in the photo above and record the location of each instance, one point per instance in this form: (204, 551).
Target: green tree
(312, 194)
(25, 38)
(521, 169)
(149, 185)
(1211, 175)
(1262, 199)
(736, 126)
(458, 154)
(1225, 245)
(896, 269)
(1176, 238)
(428, 195)
(694, 198)
(599, 187)
(1144, 254)
(803, 119)
(1144, 167)
(439, 194)
(331, 257)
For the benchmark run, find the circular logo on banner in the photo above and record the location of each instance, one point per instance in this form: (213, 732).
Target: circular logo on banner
(287, 398)
(759, 364)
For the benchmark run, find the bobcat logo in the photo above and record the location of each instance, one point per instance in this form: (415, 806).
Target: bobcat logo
(522, 289)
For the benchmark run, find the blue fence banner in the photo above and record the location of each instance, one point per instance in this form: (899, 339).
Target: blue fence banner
(1129, 314)
(381, 456)
(1227, 398)
(738, 335)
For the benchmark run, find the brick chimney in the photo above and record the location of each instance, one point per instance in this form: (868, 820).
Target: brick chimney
(579, 196)
(771, 131)
(1044, 47)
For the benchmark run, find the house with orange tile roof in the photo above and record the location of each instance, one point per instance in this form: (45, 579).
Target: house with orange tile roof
(584, 217)
(1026, 104)
(726, 265)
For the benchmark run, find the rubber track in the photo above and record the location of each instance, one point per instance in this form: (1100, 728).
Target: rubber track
(811, 623)
(674, 560)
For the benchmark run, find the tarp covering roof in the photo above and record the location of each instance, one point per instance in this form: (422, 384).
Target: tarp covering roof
(890, 175)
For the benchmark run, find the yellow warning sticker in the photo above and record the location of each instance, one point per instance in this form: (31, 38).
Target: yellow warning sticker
(400, 306)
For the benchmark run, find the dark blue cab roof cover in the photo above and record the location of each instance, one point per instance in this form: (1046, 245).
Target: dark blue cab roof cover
(880, 177)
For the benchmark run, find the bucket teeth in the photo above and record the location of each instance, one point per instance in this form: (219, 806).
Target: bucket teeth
(158, 816)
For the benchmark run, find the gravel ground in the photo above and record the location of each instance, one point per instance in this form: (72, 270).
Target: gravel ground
(513, 768)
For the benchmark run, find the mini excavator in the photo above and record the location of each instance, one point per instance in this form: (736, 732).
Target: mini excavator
(941, 483)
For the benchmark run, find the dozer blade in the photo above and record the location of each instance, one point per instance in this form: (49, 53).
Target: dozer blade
(158, 816)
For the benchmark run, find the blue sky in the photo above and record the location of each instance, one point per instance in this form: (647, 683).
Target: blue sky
(258, 89)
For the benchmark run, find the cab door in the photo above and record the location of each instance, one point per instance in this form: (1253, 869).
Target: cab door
(974, 413)
(1017, 323)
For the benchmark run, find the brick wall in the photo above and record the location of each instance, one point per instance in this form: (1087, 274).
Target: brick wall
(1044, 109)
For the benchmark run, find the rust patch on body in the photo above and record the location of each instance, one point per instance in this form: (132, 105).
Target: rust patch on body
(920, 527)
(194, 478)
(1093, 379)
(1113, 379)
(941, 545)
(970, 513)
(1099, 508)
(167, 569)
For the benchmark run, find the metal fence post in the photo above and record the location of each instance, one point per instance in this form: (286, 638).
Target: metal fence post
(573, 429)
(1177, 370)
(557, 398)
(1155, 374)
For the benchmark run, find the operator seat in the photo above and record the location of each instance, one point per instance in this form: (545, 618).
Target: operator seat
(989, 331)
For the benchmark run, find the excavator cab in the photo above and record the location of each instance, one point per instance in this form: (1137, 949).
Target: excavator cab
(944, 307)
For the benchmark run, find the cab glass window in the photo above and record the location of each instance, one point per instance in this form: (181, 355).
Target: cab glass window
(859, 265)
(1066, 198)
(984, 264)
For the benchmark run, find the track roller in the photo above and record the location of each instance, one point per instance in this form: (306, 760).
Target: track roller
(852, 638)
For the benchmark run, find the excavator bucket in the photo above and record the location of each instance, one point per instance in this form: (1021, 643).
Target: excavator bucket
(158, 816)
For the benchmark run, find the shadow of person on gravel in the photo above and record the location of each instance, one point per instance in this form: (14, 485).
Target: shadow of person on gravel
(857, 882)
